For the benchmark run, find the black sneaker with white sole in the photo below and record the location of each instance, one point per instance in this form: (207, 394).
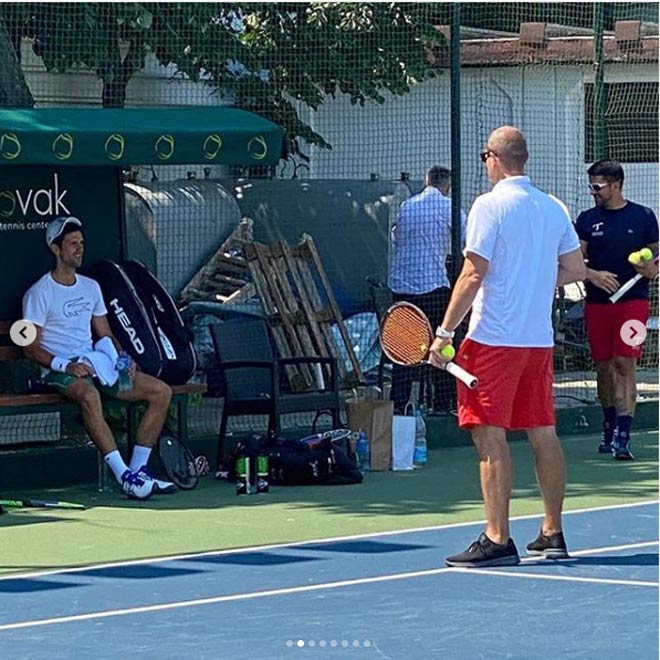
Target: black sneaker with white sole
(550, 547)
(483, 552)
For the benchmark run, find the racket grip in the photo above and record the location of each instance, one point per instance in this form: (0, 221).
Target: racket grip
(462, 375)
(624, 288)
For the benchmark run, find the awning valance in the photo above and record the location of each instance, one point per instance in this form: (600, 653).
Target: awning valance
(137, 136)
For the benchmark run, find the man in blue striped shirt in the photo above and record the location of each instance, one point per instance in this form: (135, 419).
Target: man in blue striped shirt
(421, 242)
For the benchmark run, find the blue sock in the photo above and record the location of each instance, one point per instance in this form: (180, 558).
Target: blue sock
(609, 423)
(623, 424)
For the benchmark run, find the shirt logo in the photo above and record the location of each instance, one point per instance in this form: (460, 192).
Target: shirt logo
(75, 307)
(596, 226)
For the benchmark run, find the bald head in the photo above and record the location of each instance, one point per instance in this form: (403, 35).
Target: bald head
(511, 147)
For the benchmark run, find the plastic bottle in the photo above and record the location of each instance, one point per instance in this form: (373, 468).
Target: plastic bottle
(362, 451)
(419, 457)
(124, 362)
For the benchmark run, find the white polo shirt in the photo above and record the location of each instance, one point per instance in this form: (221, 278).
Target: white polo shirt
(521, 231)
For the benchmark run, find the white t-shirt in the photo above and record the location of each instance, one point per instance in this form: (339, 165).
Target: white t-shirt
(522, 232)
(65, 313)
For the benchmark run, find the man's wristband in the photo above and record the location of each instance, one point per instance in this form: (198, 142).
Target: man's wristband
(59, 364)
(441, 333)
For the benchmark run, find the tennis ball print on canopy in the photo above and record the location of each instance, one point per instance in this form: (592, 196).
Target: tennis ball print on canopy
(257, 147)
(212, 146)
(10, 146)
(7, 204)
(63, 146)
(164, 147)
(114, 146)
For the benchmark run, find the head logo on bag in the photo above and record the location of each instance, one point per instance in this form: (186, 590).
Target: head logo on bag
(122, 317)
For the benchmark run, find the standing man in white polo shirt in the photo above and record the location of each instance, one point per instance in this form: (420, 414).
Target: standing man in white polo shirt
(520, 246)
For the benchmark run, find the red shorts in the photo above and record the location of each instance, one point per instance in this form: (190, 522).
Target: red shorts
(515, 387)
(604, 321)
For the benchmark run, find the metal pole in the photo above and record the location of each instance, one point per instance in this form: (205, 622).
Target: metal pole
(599, 84)
(455, 123)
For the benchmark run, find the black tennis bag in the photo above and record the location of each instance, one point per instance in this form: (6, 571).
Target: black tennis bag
(128, 318)
(176, 340)
(314, 460)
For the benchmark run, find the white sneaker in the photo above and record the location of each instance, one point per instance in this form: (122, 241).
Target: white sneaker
(160, 486)
(135, 486)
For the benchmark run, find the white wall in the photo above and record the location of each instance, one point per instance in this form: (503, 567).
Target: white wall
(412, 132)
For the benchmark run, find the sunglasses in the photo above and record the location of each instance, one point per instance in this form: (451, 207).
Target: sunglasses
(597, 187)
(484, 155)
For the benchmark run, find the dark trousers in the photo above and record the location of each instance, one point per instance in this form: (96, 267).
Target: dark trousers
(437, 389)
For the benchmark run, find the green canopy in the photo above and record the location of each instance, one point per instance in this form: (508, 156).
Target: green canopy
(137, 136)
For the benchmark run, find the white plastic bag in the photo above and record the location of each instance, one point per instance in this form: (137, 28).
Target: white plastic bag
(403, 440)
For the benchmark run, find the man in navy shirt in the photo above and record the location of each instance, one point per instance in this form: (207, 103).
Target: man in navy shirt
(609, 232)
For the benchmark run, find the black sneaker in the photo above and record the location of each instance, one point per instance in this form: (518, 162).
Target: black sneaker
(483, 552)
(605, 447)
(551, 547)
(621, 452)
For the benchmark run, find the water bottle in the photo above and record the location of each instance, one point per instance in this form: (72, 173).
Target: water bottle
(362, 451)
(124, 362)
(419, 457)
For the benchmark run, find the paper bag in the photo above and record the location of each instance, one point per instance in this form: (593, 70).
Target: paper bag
(403, 441)
(374, 417)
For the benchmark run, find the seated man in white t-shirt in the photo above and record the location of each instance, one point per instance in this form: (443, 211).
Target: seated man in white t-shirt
(65, 307)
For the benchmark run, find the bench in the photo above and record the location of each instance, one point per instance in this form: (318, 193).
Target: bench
(23, 402)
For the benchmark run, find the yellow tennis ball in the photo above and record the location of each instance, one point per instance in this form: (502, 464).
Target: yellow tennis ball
(646, 254)
(634, 258)
(448, 352)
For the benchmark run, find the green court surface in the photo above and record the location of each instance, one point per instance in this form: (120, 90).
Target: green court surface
(212, 517)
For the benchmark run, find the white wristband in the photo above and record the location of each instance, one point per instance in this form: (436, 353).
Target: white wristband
(59, 364)
(441, 333)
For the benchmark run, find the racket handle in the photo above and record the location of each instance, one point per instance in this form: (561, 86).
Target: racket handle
(462, 375)
(625, 287)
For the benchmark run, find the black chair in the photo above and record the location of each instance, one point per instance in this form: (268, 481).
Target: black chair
(253, 378)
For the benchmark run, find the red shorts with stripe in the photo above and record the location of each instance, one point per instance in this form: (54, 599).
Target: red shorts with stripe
(515, 387)
(604, 321)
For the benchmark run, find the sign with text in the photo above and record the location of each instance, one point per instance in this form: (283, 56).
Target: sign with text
(33, 196)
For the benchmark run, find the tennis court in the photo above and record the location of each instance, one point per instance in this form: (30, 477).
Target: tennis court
(379, 596)
(223, 583)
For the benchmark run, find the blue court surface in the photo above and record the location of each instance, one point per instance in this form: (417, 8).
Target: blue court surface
(379, 596)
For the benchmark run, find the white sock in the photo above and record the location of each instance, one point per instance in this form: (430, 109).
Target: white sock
(139, 458)
(116, 464)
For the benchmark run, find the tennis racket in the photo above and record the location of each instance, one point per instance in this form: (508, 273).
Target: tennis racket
(406, 337)
(178, 461)
(40, 504)
(626, 286)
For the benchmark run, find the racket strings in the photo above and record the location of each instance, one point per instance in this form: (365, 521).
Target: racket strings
(405, 336)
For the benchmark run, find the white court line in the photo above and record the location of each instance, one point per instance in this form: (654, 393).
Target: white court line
(297, 544)
(564, 578)
(328, 585)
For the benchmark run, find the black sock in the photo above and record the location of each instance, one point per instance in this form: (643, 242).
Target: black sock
(609, 423)
(623, 424)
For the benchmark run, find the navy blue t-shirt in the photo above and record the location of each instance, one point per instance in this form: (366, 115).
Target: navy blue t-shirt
(611, 236)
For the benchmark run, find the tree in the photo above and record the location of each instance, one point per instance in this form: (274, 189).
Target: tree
(272, 58)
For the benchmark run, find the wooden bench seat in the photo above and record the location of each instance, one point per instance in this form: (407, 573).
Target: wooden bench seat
(45, 402)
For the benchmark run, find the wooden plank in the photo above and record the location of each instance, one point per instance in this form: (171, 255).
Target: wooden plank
(305, 303)
(308, 241)
(323, 315)
(294, 317)
(242, 232)
(270, 278)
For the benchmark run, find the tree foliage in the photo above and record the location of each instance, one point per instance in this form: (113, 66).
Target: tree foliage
(273, 58)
